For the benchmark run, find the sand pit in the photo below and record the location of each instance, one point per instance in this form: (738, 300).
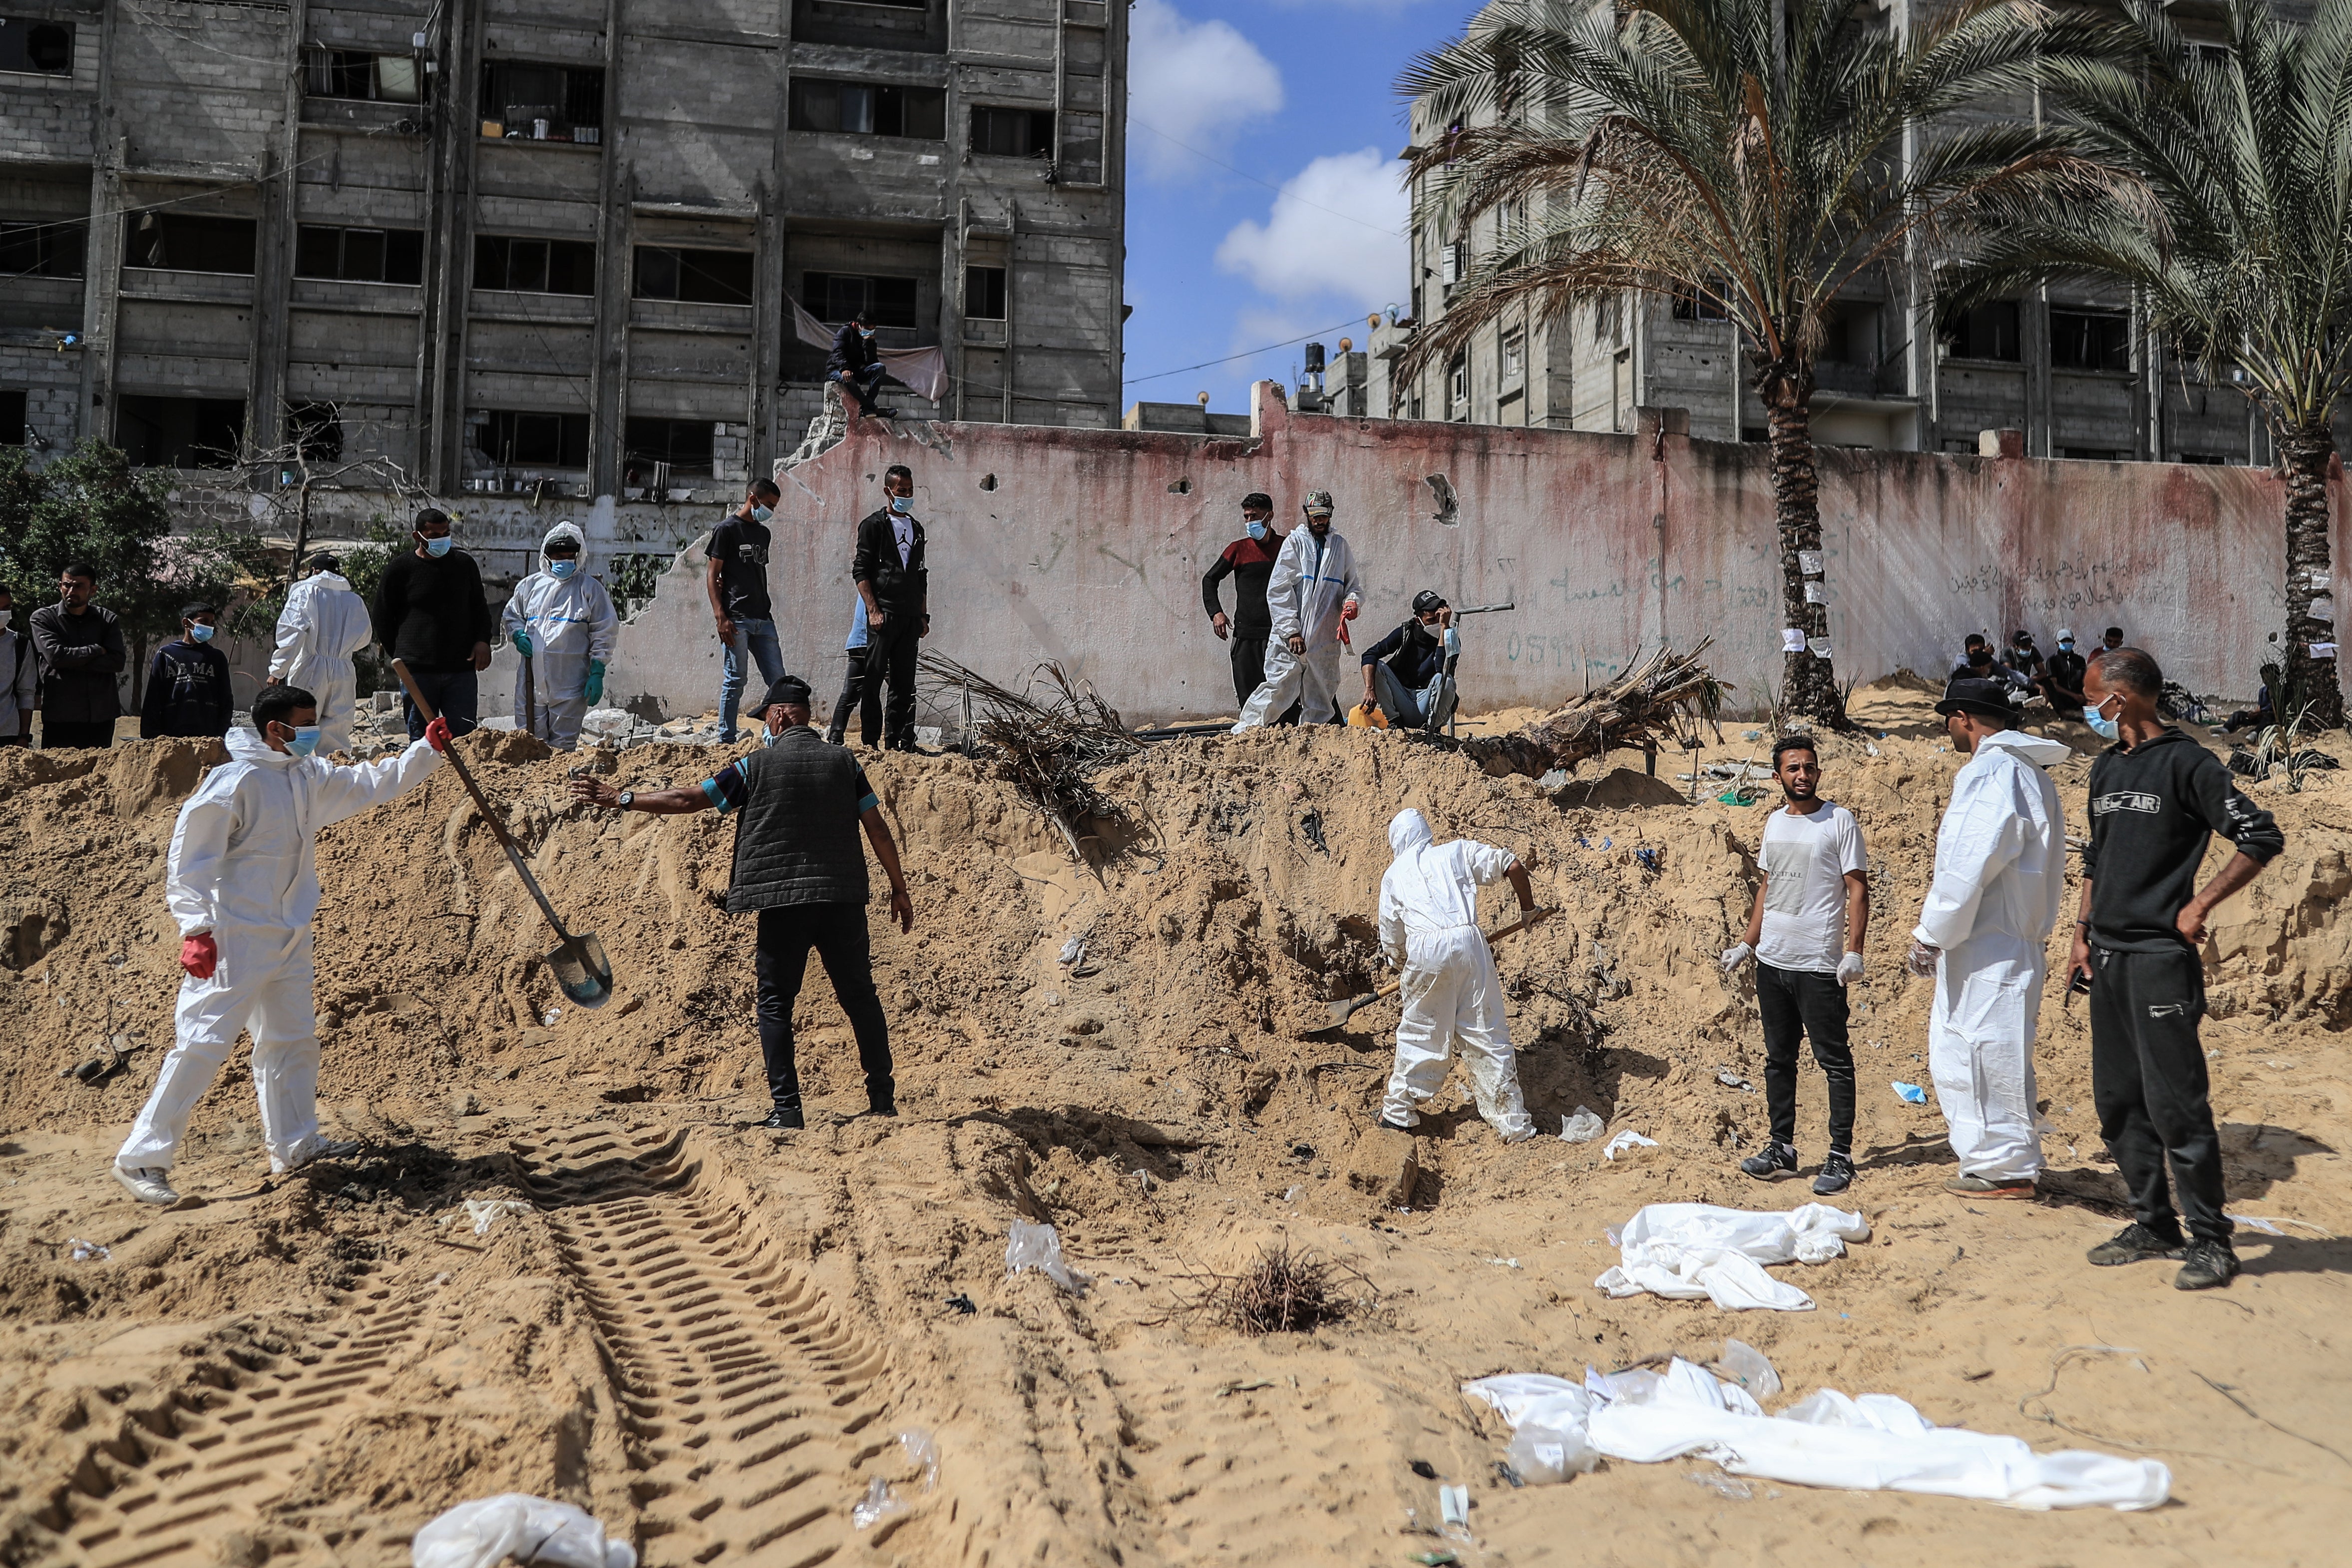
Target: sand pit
(711, 1335)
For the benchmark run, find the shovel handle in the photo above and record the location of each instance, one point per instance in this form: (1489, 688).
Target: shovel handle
(497, 828)
(1527, 918)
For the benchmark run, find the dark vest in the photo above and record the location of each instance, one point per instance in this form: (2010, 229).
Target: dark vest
(797, 840)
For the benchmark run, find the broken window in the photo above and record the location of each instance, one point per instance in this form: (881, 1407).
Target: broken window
(359, 255)
(179, 432)
(543, 103)
(984, 294)
(1701, 305)
(835, 296)
(15, 420)
(2090, 340)
(359, 74)
(1988, 332)
(185, 243)
(863, 108)
(516, 437)
(42, 48)
(1013, 133)
(316, 429)
(534, 265)
(41, 249)
(683, 447)
(700, 276)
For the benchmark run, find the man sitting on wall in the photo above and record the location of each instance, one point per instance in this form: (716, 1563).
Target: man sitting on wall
(859, 369)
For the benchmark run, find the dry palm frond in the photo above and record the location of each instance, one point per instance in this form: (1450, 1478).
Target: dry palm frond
(1642, 706)
(1280, 1292)
(1048, 749)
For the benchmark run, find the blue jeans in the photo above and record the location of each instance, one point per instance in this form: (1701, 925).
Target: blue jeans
(453, 694)
(753, 640)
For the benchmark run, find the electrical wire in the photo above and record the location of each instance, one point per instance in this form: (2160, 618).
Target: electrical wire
(1246, 353)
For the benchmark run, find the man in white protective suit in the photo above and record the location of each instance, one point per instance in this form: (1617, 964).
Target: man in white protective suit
(324, 623)
(242, 886)
(1429, 929)
(1310, 597)
(563, 622)
(2001, 868)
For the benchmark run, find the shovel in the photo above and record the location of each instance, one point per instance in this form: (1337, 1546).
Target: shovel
(580, 964)
(530, 697)
(1343, 1011)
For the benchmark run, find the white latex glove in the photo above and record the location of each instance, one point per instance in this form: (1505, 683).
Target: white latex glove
(1733, 957)
(1849, 969)
(1922, 961)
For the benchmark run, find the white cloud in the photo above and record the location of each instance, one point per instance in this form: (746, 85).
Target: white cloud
(1196, 82)
(1337, 229)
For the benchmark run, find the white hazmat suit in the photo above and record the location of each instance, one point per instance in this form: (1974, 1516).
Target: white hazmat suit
(2001, 869)
(1304, 596)
(322, 626)
(1429, 929)
(573, 624)
(241, 869)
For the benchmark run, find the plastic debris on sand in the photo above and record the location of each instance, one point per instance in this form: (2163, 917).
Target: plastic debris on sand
(1627, 1138)
(1874, 1443)
(1686, 1251)
(1581, 1128)
(1038, 1247)
(1911, 1093)
(879, 1504)
(486, 1532)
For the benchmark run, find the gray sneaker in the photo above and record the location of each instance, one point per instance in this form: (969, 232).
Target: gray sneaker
(1837, 1175)
(148, 1184)
(2131, 1244)
(2206, 1264)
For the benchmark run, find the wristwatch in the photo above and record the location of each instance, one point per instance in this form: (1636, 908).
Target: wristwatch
(628, 798)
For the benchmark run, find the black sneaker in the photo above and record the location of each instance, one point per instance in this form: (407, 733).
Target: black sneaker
(2134, 1244)
(784, 1118)
(1778, 1160)
(833, 737)
(1837, 1175)
(882, 1108)
(2209, 1263)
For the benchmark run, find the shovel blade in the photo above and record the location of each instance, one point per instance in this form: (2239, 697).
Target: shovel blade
(583, 971)
(1343, 1011)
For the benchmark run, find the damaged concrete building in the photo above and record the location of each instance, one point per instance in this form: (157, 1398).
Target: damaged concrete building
(558, 248)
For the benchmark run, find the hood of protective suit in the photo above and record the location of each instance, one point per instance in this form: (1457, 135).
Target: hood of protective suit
(247, 746)
(563, 531)
(1408, 829)
(2040, 751)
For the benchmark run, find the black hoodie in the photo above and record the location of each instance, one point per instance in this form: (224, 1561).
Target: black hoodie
(2154, 808)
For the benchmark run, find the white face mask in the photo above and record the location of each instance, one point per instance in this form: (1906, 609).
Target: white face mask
(4, 619)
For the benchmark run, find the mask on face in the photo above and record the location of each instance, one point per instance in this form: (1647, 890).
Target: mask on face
(438, 548)
(4, 619)
(2105, 728)
(1256, 528)
(200, 634)
(2066, 645)
(761, 514)
(902, 505)
(305, 740)
(768, 737)
(559, 570)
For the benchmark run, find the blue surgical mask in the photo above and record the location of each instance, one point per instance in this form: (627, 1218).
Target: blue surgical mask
(438, 548)
(2105, 728)
(902, 505)
(2066, 645)
(559, 570)
(768, 737)
(1257, 528)
(762, 513)
(200, 634)
(305, 740)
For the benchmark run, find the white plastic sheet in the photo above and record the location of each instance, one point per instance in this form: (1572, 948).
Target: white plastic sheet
(489, 1530)
(1627, 1139)
(1686, 1251)
(1874, 1443)
(1039, 1246)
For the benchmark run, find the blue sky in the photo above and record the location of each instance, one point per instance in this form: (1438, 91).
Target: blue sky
(1263, 201)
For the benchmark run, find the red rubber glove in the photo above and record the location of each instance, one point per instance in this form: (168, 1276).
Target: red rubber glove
(437, 734)
(199, 956)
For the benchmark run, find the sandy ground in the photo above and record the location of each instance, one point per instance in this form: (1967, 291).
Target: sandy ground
(711, 1335)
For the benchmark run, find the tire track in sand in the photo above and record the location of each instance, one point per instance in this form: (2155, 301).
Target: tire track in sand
(211, 1460)
(746, 1405)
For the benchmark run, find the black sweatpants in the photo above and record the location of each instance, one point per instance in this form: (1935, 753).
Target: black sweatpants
(838, 933)
(891, 650)
(1249, 665)
(1798, 1004)
(2148, 1081)
(869, 723)
(56, 737)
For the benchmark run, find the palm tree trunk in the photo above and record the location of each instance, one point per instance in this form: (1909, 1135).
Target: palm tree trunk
(2308, 455)
(1807, 681)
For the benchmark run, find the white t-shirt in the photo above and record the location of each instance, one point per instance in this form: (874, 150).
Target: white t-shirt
(1805, 860)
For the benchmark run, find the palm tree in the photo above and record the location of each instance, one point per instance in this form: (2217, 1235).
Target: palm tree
(2246, 261)
(1758, 156)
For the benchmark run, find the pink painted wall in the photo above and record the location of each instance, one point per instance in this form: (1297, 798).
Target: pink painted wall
(1087, 547)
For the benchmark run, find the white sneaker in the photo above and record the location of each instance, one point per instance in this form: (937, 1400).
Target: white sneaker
(314, 1148)
(149, 1184)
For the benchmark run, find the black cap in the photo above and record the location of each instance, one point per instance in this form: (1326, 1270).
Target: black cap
(323, 561)
(190, 612)
(785, 689)
(2022, 635)
(1428, 599)
(1257, 501)
(1985, 699)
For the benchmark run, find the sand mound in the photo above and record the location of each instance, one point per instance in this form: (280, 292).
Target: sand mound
(792, 1303)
